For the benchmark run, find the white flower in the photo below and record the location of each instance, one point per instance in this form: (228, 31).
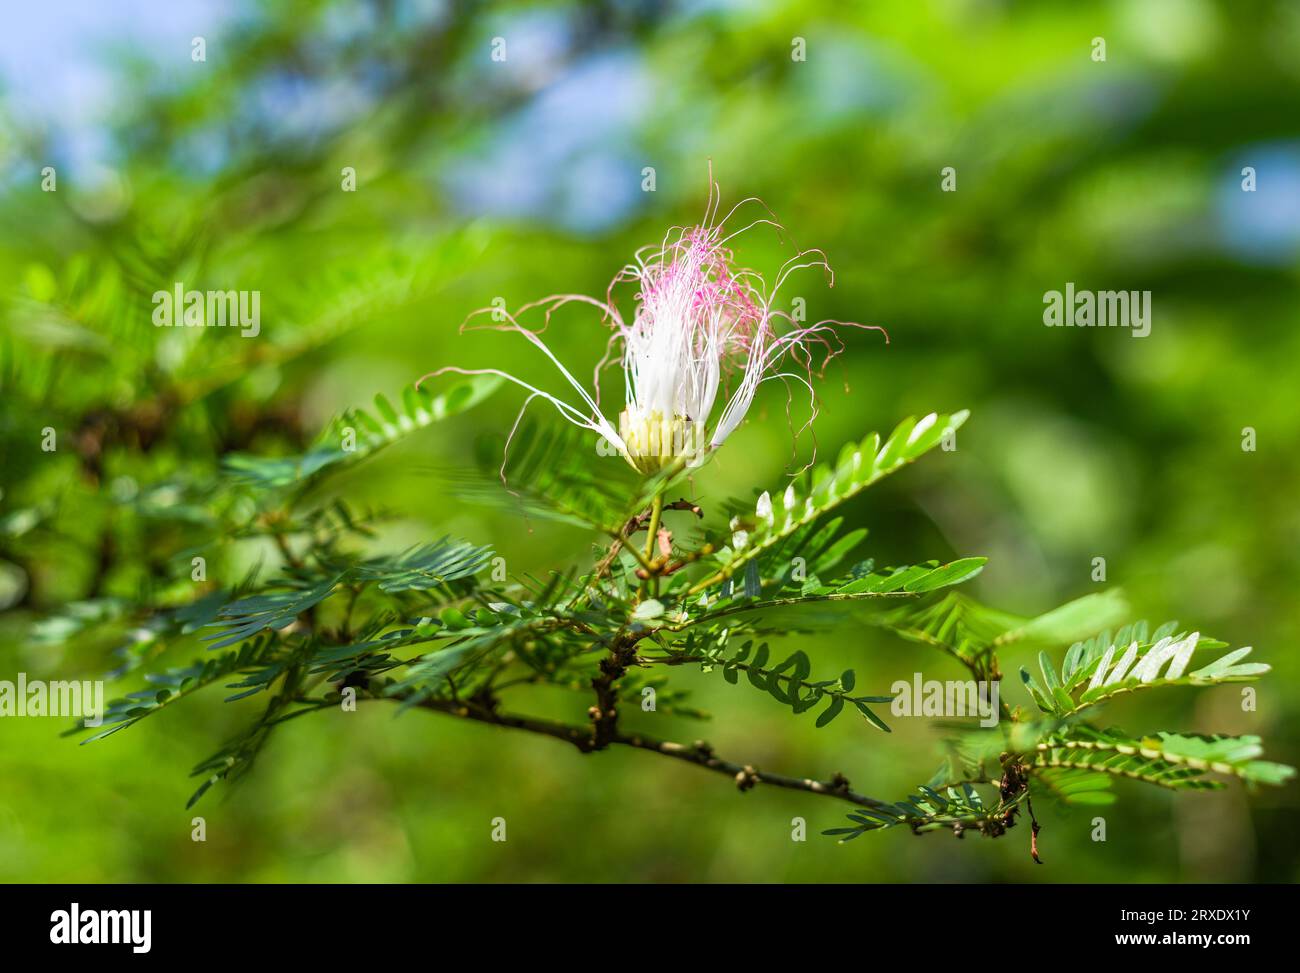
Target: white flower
(702, 329)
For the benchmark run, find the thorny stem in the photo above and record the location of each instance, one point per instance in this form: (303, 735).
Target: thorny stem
(746, 776)
(699, 754)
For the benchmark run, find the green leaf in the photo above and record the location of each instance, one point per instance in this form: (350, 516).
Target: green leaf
(1036, 691)
(426, 566)
(824, 488)
(890, 584)
(257, 657)
(831, 711)
(357, 435)
(1076, 787)
(872, 718)
(244, 618)
(1123, 665)
(927, 811)
(1170, 760)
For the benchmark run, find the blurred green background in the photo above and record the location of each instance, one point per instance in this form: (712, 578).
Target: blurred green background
(478, 179)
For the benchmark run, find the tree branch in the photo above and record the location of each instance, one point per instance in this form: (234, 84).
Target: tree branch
(579, 736)
(746, 776)
(699, 754)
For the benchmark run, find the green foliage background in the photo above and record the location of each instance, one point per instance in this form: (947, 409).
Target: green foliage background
(479, 179)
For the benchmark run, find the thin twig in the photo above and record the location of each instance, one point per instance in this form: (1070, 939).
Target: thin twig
(698, 754)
